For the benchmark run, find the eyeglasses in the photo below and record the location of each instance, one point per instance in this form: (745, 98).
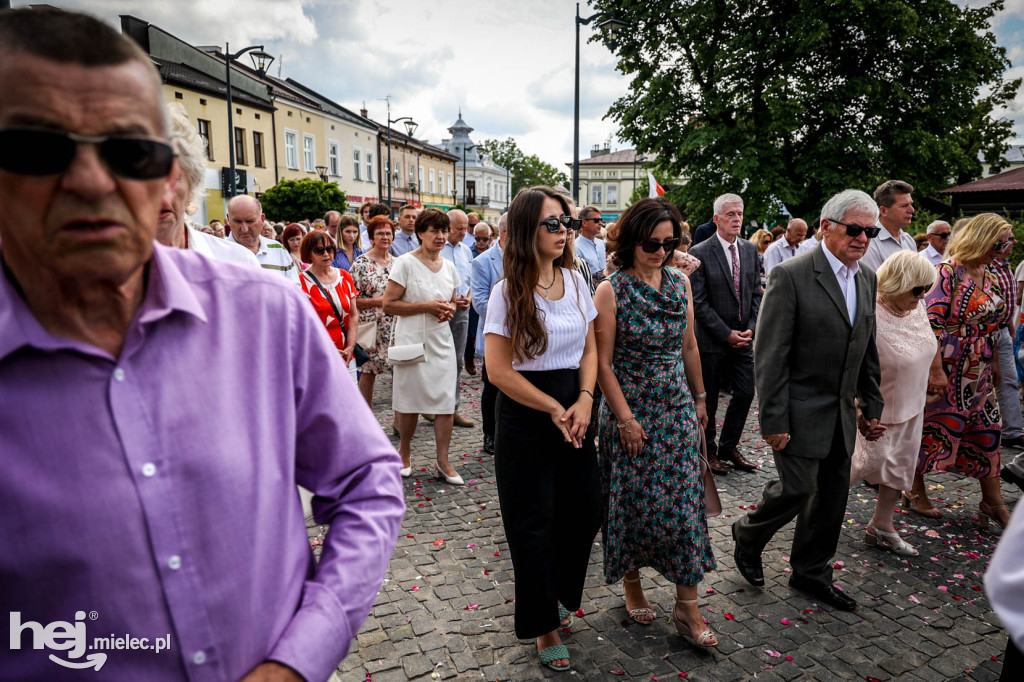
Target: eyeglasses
(483, 239)
(554, 225)
(855, 230)
(31, 151)
(1002, 246)
(321, 250)
(652, 246)
(918, 291)
(940, 235)
(599, 221)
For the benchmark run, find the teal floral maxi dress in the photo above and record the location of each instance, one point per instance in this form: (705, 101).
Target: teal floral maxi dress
(655, 502)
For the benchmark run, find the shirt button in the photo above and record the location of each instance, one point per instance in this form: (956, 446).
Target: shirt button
(199, 658)
(148, 469)
(118, 374)
(174, 563)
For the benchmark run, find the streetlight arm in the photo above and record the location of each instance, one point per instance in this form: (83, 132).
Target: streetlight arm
(250, 48)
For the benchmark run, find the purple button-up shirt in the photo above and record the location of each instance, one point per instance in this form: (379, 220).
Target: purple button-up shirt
(153, 495)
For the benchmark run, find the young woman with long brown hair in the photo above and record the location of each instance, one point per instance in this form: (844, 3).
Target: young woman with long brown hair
(542, 356)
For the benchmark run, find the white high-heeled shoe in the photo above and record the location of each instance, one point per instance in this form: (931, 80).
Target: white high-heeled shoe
(886, 540)
(454, 480)
(406, 472)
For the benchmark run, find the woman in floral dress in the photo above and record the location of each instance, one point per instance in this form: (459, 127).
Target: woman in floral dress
(371, 272)
(962, 427)
(650, 422)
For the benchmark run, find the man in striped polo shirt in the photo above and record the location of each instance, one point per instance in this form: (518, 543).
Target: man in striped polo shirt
(245, 217)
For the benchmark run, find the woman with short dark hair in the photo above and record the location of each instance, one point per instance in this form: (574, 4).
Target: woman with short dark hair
(541, 355)
(421, 293)
(651, 422)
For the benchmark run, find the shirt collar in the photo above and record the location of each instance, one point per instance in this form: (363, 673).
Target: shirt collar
(932, 249)
(725, 244)
(839, 267)
(885, 234)
(263, 244)
(167, 290)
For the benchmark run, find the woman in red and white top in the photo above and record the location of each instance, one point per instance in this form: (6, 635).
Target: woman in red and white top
(319, 250)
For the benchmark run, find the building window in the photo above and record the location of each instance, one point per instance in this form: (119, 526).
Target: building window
(203, 127)
(613, 194)
(334, 158)
(308, 156)
(240, 146)
(257, 150)
(357, 163)
(431, 176)
(412, 175)
(370, 174)
(450, 187)
(396, 173)
(420, 179)
(613, 174)
(291, 152)
(595, 194)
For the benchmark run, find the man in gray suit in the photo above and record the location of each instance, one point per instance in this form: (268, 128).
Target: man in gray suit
(814, 355)
(726, 298)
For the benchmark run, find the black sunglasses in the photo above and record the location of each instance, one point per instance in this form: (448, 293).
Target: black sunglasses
(855, 230)
(1000, 246)
(595, 220)
(917, 291)
(321, 250)
(31, 151)
(652, 246)
(940, 235)
(554, 225)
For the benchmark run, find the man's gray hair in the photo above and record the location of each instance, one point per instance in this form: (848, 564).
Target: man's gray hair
(191, 150)
(848, 200)
(457, 213)
(724, 199)
(503, 223)
(239, 197)
(935, 224)
(482, 229)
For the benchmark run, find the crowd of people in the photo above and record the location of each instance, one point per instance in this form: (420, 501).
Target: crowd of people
(604, 351)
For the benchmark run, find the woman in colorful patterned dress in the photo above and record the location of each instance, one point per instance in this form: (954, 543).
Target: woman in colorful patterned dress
(961, 426)
(650, 422)
(371, 272)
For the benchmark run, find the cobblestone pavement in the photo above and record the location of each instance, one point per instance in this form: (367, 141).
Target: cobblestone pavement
(445, 609)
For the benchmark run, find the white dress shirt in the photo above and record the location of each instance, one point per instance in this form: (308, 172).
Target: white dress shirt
(845, 277)
(933, 255)
(728, 252)
(885, 245)
(460, 256)
(777, 252)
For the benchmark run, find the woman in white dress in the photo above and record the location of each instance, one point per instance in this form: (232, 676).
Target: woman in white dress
(906, 353)
(421, 293)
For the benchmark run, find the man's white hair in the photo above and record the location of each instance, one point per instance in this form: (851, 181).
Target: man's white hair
(848, 200)
(724, 199)
(935, 224)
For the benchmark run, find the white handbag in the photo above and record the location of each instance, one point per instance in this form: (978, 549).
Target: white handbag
(409, 353)
(367, 334)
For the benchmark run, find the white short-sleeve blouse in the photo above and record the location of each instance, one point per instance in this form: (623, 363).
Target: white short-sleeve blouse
(566, 321)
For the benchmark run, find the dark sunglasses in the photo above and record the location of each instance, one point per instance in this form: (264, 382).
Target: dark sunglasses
(940, 235)
(31, 151)
(595, 220)
(1000, 246)
(855, 230)
(321, 250)
(917, 291)
(554, 225)
(652, 246)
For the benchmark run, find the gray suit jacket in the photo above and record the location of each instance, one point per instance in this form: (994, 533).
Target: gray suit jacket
(716, 310)
(809, 362)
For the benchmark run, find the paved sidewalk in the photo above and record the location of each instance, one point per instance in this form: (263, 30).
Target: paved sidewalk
(445, 609)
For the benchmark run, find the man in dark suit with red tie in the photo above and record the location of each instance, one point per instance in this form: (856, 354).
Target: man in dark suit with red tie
(726, 300)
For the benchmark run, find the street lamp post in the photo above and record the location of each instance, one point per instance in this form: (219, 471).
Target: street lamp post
(410, 127)
(322, 172)
(464, 150)
(261, 60)
(608, 22)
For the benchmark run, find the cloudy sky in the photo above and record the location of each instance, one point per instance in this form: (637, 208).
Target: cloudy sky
(507, 63)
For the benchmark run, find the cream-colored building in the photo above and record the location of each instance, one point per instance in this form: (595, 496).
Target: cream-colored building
(608, 179)
(421, 174)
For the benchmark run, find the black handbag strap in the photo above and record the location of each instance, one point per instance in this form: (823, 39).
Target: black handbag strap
(330, 300)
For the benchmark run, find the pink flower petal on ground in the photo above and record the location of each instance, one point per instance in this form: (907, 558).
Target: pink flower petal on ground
(784, 621)
(729, 616)
(943, 588)
(773, 654)
(415, 589)
(789, 658)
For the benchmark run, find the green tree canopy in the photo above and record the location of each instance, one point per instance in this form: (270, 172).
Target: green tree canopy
(292, 200)
(787, 102)
(525, 171)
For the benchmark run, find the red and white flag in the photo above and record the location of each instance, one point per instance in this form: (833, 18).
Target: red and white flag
(656, 190)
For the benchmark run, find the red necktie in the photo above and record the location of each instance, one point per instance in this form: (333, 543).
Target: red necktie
(736, 276)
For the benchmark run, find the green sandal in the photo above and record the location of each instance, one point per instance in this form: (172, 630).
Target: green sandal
(564, 613)
(554, 653)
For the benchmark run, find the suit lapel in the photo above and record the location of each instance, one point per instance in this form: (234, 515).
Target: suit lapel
(863, 296)
(827, 279)
(723, 262)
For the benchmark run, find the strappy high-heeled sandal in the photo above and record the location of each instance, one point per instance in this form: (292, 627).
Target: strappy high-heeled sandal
(914, 501)
(636, 614)
(987, 512)
(706, 639)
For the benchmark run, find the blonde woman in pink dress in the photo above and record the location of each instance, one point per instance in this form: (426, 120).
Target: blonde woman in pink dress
(906, 352)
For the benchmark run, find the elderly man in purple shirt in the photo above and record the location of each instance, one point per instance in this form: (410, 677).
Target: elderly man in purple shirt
(153, 428)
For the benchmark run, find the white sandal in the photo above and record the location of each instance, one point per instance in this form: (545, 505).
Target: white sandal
(886, 540)
(706, 639)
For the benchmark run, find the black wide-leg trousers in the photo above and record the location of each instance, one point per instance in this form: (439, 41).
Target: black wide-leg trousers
(550, 504)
